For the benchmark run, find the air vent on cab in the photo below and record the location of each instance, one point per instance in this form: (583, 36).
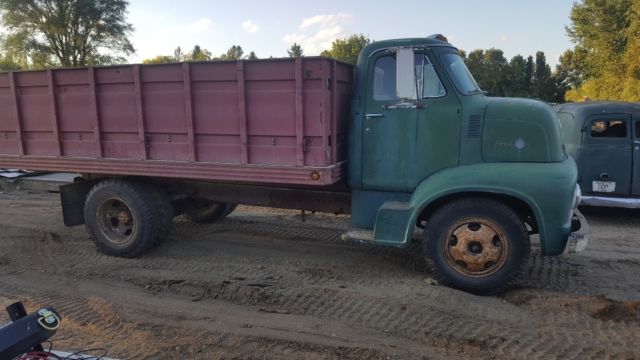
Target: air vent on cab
(474, 130)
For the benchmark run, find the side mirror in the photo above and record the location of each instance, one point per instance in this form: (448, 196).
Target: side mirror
(405, 74)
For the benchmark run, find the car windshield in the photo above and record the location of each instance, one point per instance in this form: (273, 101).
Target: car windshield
(462, 78)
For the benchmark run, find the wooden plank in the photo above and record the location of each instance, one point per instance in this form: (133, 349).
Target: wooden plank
(188, 105)
(299, 113)
(242, 114)
(16, 113)
(95, 113)
(137, 79)
(53, 111)
(334, 113)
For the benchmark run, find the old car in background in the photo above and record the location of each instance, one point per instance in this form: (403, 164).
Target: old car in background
(604, 139)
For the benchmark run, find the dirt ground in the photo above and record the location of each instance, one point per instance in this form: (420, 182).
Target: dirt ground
(263, 284)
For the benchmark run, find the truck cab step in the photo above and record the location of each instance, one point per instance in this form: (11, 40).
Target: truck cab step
(359, 235)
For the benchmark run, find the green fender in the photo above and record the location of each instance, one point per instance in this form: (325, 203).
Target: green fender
(547, 188)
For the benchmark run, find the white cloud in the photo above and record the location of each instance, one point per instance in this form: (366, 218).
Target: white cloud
(249, 26)
(200, 26)
(318, 32)
(504, 38)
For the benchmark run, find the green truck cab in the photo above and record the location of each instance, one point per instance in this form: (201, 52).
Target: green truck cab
(479, 174)
(604, 139)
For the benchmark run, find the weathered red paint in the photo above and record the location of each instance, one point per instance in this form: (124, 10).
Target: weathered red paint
(275, 121)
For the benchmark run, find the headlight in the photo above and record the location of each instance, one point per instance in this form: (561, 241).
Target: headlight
(577, 198)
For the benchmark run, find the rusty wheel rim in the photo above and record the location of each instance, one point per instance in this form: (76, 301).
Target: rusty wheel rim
(476, 247)
(116, 221)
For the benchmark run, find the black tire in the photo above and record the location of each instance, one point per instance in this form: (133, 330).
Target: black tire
(477, 245)
(202, 211)
(126, 217)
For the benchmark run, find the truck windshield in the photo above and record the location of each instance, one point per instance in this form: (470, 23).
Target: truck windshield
(462, 78)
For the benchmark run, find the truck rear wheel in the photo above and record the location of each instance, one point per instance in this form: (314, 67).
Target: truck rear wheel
(124, 217)
(203, 211)
(477, 245)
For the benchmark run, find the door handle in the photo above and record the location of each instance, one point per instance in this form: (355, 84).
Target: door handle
(370, 116)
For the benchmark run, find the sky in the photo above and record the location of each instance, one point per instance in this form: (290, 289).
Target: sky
(270, 27)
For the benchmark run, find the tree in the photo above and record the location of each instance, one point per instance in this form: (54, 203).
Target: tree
(543, 85)
(495, 66)
(347, 49)
(518, 77)
(8, 63)
(295, 51)
(67, 32)
(234, 53)
(160, 59)
(517, 82)
(605, 33)
(252, 56)
(198, 54)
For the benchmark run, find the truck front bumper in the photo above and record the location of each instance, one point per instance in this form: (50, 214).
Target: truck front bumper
(579, 236)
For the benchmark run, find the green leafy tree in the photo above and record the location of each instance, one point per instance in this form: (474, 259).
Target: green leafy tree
(234, 53)
(67, 32)
(631, 58)
(495, 66)
(198, 54)
(252, 56)
(517, 82)
(295, 51)
(543, 84)
(606, 33)
(160, 59)
(347, 49)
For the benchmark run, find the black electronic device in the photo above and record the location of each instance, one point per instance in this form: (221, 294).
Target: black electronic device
(26, 332)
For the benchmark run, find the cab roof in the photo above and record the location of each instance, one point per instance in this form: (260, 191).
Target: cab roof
(580, 110)
(432, 40)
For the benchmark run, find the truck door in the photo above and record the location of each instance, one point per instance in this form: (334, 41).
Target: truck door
(406, 141)
(635, 189)
(607, 160)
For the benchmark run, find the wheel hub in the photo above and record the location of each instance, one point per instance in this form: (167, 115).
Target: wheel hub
(118, 222)
(476, 247)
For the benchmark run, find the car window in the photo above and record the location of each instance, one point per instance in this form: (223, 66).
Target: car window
(609, 129)
(384, 78)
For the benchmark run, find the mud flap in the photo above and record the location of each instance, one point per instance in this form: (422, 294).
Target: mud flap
(72, 198)
(579, 237)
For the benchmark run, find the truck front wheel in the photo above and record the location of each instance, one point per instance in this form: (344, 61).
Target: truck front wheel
(477, 245)
(125, 217)
(203, 211)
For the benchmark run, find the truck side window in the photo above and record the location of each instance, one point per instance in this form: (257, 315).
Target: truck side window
(428, 78)
(609, 129)
(384, 80)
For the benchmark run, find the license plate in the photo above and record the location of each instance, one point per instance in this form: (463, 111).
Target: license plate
(604, 186)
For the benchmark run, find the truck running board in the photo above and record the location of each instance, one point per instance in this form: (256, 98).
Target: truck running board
(359, 235)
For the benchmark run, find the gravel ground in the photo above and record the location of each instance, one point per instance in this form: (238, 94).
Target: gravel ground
(264, 284)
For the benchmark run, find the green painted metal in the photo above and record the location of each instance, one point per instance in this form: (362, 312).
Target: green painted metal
(521, 130)
(402, 146)
(613, 159)
(454, 144)
(368, 202)
(546, 187)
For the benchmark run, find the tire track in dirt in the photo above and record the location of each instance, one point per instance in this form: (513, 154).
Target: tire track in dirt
(499, 335)
(304, 284)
